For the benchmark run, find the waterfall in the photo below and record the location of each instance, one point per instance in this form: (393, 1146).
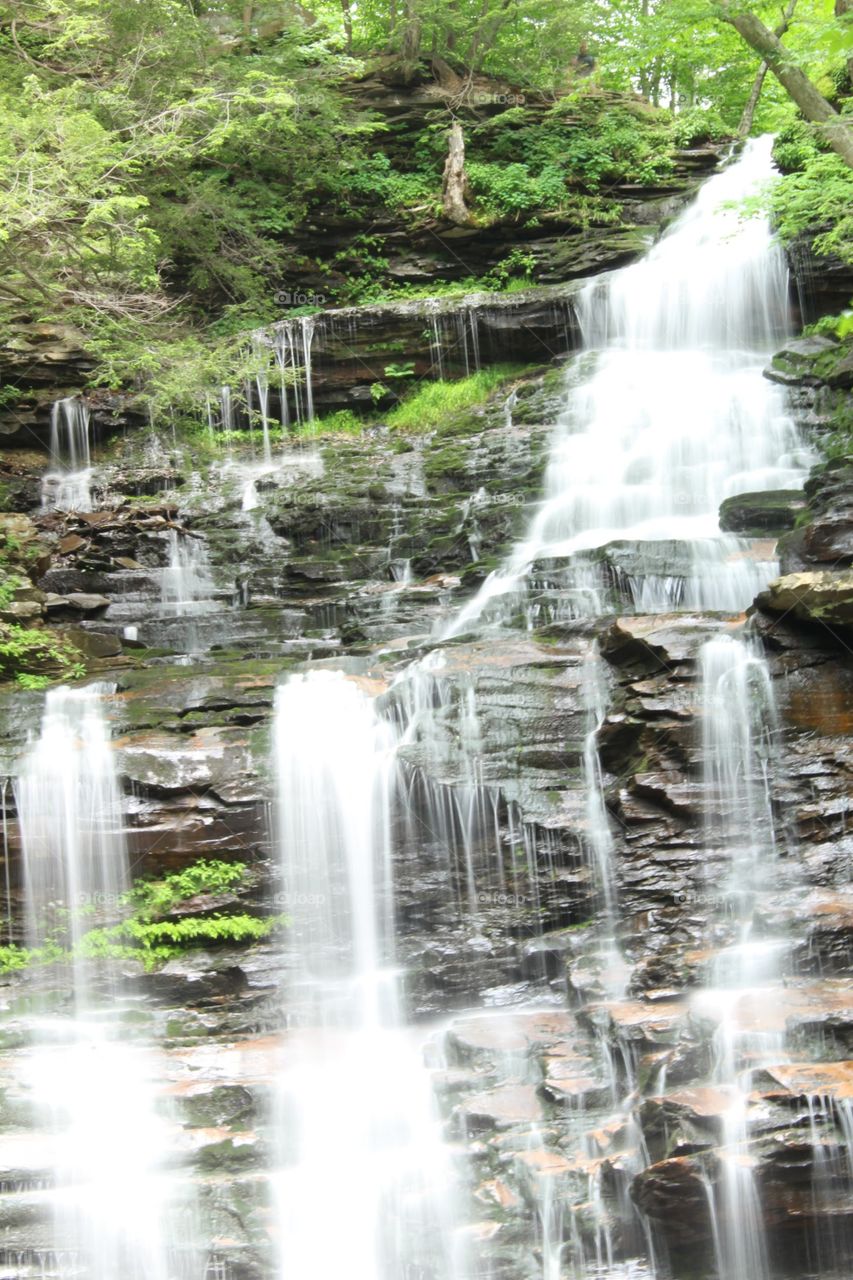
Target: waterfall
(70, 813)
(186, 586)
(292, 342)
(739, 730)
(356, 1124)
(675, 416)
(67, 485)
(113, 1206)
(598, 835)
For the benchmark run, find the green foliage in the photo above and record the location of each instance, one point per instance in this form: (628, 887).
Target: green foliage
(14, 958)
(341, 422)
(397, 371)
(31, 682)
(31, 652)
(697, 125)
(515, 270)
(433, 402)
(8, 586)
(153, 898)
(158, 159)
(156, 942)
(500, 190)
(138, 150)
(840, 326)
(144, 935)
(815, 195)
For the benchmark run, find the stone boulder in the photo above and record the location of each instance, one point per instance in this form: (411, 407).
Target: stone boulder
(821, 598)
(758, 515)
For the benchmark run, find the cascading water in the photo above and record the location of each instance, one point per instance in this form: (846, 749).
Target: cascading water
(186, 586)
(67, 486)
(739, 732)
(356, 1123)
(115, 1212)
(675, 417)
(70, 812)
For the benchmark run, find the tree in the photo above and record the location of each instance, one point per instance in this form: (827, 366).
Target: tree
(746, 121)
(455, 189)
(811, 102)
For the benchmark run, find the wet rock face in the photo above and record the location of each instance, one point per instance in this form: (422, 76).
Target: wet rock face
(822, 598)
(823, 283)
(600, 1100)
(824, 540)
(759, 515)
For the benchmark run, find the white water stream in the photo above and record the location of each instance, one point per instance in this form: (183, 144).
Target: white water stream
(67, 485)
(115, 1211)
(356, 1115)
(675, 417)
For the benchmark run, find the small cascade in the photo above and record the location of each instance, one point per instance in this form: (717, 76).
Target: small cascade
(509, 408)
(468, 337)
(67, 485)
(599, 838)
(739, 732)
(186, 584)
(352, 1081)
(70, 814)
(226, 409)
(115, 1212)
(469, 523)
(291, 342)
(674, 417)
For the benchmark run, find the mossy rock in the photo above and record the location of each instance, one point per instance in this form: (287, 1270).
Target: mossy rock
(824, 599)
(758, 515)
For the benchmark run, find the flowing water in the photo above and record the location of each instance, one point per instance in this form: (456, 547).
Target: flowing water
(67, 486)
(356, 1120)
(186, 583)
(114, 1210)
(740, 734)
(668, 415)
(675, 417)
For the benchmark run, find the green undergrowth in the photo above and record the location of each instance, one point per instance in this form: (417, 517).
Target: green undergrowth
(156, 942)
(145, 934)
(154, 898)
(33, 658)
(814, 198)
(431, 405)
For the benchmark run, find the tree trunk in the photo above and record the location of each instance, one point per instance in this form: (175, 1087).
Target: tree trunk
(346, 6)
(454, 188)
(410, 48)
(844, 14)
(744, 129)
(811, 102)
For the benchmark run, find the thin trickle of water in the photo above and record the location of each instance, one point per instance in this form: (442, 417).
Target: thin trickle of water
(186, 585)
(599, 837)
(740, 730)
(226, 409)
(291, 343)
